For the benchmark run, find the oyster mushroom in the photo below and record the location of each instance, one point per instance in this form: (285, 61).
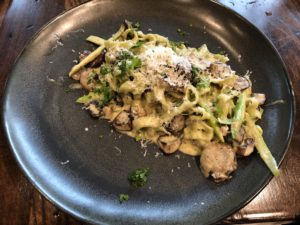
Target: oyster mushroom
(169, 143)
(218, 160)
(123, 122)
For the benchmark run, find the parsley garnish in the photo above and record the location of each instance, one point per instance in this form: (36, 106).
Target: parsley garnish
(176, 44)
(135, 63)
(137, 25)
(123, 198)
(139, 177)
(181, 32)
(203, 83)
(138, 44)
(126, 65)
(104, 69)
(107, 93)
(91, 77)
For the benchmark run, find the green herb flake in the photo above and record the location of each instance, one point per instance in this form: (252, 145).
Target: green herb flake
(181, 32)
(195, 70)
(222, 53)
(104, 69)
(203, 83)
(135, 63)
(139, 177)
(176, 44)
(138, 44)
(137, 25)
(68, 90)
(139, 137)
(123, 198)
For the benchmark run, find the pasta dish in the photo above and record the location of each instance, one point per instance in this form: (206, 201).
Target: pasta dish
(180, 98)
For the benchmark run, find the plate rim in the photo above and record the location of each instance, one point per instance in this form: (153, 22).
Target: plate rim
(81, 216)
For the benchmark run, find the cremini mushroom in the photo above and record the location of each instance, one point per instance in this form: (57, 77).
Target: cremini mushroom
(169, 143)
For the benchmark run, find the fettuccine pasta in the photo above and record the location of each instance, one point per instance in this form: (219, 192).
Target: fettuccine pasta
(180, 98)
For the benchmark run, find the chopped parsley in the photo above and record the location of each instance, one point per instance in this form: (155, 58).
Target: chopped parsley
(176, 44)
(203, 83)
(139, 177)
(137, 25)
(195, 70)
(106, 92)
(181, 32)
(138, 44)
(129, 64)
(91, 77)
(104, 69)
(135, 63)
(123, 198)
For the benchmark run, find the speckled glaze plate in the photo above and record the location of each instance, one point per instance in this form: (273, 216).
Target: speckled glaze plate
(57, 144)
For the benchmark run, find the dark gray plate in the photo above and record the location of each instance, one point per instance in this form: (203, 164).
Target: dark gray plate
(83, 174)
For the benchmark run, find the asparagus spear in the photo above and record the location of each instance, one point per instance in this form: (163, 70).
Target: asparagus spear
(239, 114)
(262, 148)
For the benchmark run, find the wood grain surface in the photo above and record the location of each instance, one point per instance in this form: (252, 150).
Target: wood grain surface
(20, 203)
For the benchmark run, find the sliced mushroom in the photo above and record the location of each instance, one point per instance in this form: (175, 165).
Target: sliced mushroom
(107, 112)
(261, 98)
(246, 147)
(177, 124)
(218, 160)
(169, 143)
(241, 83)
(220, 70)
(93, 109)
(123, 122)
(137, 110)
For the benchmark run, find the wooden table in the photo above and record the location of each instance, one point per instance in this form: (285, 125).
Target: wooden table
(20, 203)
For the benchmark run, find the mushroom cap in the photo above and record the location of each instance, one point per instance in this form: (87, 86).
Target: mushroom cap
(169, 143)
(218, 160)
